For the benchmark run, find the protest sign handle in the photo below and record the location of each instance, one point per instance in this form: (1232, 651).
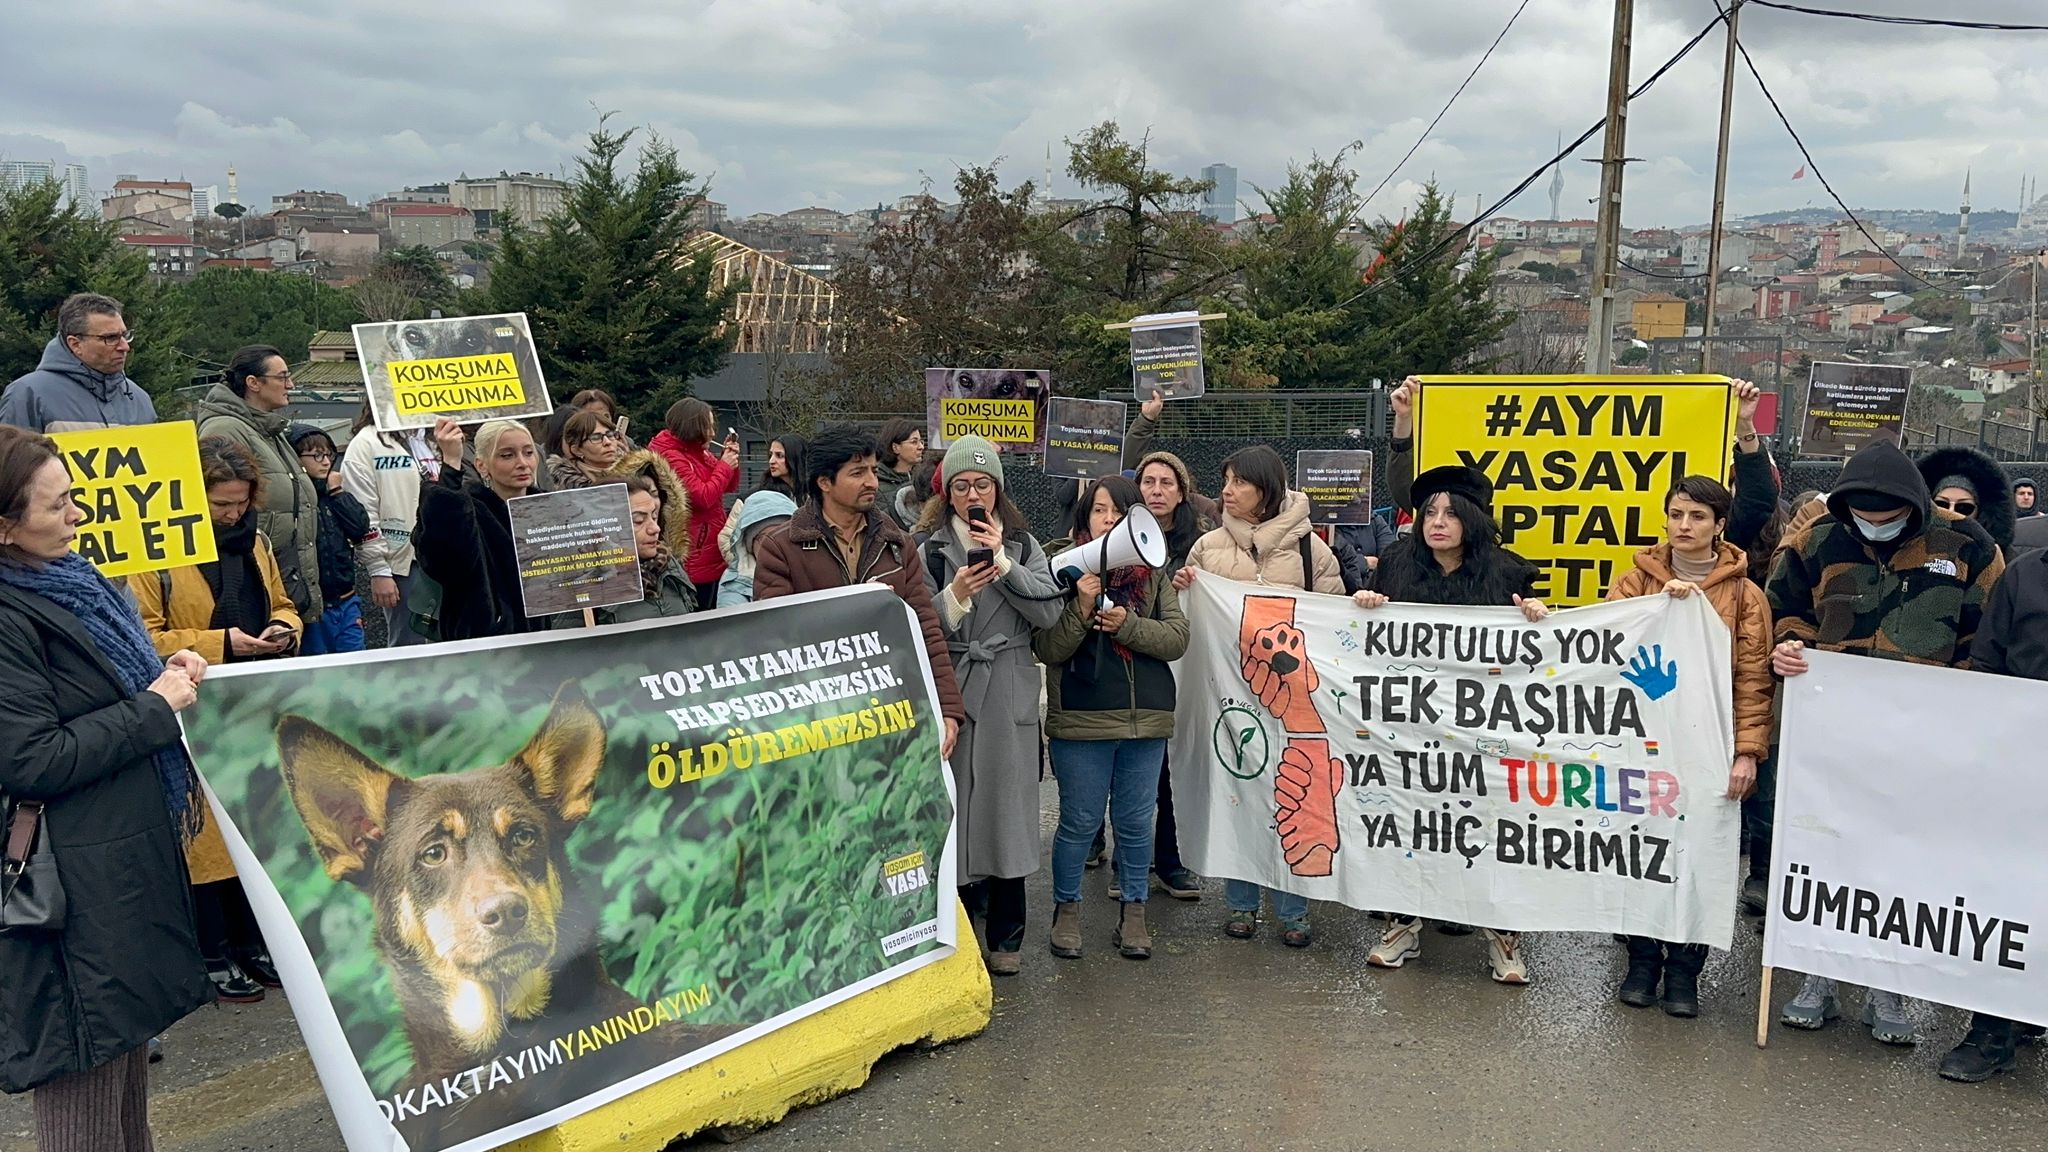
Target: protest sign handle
(1763, 1011)
(590, 617)
(1128, 324)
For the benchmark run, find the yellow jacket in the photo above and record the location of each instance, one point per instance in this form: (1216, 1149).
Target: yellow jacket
(188, 621)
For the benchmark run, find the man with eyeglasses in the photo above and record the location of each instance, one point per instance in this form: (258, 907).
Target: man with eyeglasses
(82, 381)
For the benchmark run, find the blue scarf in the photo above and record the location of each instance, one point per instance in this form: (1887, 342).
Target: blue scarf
(115, 627)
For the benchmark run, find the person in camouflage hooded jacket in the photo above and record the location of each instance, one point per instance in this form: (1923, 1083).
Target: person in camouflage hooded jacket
(1916, 597)
(1883, 574)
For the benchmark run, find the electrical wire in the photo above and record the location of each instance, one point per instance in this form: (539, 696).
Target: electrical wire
(1420, 140)
(1459, 235)
(1909, 21)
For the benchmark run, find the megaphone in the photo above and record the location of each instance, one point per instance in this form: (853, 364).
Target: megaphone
(1137, 539)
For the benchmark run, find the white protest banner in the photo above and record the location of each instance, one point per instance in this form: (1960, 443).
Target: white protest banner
(1907, 853)
(1462, 763)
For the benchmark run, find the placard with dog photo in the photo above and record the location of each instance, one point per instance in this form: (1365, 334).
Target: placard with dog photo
(510, 880)
(1005, 406)
(468, 368)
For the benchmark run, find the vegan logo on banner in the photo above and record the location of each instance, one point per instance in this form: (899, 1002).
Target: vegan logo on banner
(143, 497)
(1005, 406)
(467, 368)
(1461, 763)
(1881, 879)
(1580, 464)
(510, 880)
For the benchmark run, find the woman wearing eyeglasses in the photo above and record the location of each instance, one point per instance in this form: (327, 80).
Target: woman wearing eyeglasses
(590, 450)
(1969, 485)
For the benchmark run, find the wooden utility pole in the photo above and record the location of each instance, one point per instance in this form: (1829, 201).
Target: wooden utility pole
(1720, 191)
(1613, 156)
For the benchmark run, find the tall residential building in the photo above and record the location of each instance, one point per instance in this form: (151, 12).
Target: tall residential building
(530, 197)
(18, 174)
(203, 200)
(1220, 203)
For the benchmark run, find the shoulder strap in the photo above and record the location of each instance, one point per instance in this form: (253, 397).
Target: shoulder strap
(21, 831)
(1308, 561)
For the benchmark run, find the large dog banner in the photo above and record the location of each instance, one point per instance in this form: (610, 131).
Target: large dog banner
(1462, 763)
(510, 880)
(1908, 848)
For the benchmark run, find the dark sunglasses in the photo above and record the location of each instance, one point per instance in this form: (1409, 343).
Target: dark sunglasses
(1959, 507)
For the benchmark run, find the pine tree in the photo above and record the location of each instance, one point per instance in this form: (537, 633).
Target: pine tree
(612, 303)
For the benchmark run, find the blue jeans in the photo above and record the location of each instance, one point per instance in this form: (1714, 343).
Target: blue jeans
(1123, 775)
(339, 629)
(1243, 896)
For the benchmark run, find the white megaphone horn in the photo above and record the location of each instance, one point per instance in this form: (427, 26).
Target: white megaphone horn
(1137, 539)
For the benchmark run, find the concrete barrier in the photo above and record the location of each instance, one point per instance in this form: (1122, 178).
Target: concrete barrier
(809, 1062)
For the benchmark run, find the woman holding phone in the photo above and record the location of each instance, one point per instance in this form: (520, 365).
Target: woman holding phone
(231, 610)
(993, 587)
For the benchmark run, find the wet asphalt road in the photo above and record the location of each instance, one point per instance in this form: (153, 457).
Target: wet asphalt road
(1224, 1044)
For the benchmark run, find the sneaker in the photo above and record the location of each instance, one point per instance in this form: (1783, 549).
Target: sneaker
(1504, 957)
(1400, 943)
(156, 1049)
(1815, 1005)
(1453, 928)
(232, 985)
(1884, 1013)
(1181, 884)
(1116, 889)
(1098, 853)
(257, 964)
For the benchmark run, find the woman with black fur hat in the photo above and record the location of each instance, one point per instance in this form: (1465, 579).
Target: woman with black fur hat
(1453, 557)
(1972, 486)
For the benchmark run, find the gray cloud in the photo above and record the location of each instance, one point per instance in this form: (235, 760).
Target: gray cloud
(844, 103)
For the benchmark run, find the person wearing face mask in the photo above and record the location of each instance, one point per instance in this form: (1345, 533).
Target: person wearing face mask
(464, 534)
(1883, 576)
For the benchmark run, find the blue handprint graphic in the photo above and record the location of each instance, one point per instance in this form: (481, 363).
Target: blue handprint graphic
(1649, 672)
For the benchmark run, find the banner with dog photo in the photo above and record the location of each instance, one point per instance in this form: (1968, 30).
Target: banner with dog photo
(1463, 764)
(510, 880)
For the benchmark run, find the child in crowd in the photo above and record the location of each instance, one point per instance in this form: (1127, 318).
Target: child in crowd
(763, 511)
(343, 525)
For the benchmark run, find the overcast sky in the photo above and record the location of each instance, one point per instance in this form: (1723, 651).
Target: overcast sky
(787, 103)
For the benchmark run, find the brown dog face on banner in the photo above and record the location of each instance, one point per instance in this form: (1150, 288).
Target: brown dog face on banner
(465, 870)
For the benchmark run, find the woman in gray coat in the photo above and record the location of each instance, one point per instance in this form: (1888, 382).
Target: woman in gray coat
(989, 611)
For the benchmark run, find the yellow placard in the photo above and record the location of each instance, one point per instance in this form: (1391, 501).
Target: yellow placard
(998, 421)
(455, 383)
(142, 494)
(1580, 464)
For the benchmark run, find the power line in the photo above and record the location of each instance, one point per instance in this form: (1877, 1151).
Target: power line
(1908, 21)
(1420, 140)
(1814, 167)
(1458, 236)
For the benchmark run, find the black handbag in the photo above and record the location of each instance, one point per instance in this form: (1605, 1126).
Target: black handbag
(31, 892)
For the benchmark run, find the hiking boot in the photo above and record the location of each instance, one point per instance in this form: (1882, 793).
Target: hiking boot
(1756, 895)
(1504, 957)
(1133, 939)
(1400, 943)
(1645, 968)
(1884, 1013)
(1989, 1049)
(1066, 930)
(1682, 966)
(232, 985)
(1181, 884)
(1005, 963)
(1815, 1005)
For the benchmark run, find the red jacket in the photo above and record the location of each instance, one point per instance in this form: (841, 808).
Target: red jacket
(707, 479)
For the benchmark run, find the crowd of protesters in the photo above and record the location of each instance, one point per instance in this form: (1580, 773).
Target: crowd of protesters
(1029, 669)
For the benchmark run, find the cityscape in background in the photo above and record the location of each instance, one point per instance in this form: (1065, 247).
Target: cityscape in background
(1950, 291)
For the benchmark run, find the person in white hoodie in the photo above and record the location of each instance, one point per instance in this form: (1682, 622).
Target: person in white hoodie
(763, 511)
(381, 471)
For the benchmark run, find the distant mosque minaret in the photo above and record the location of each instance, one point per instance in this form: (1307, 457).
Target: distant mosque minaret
(1963, 226)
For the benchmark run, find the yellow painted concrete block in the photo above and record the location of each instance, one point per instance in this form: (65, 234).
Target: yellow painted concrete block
(809, 1062)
